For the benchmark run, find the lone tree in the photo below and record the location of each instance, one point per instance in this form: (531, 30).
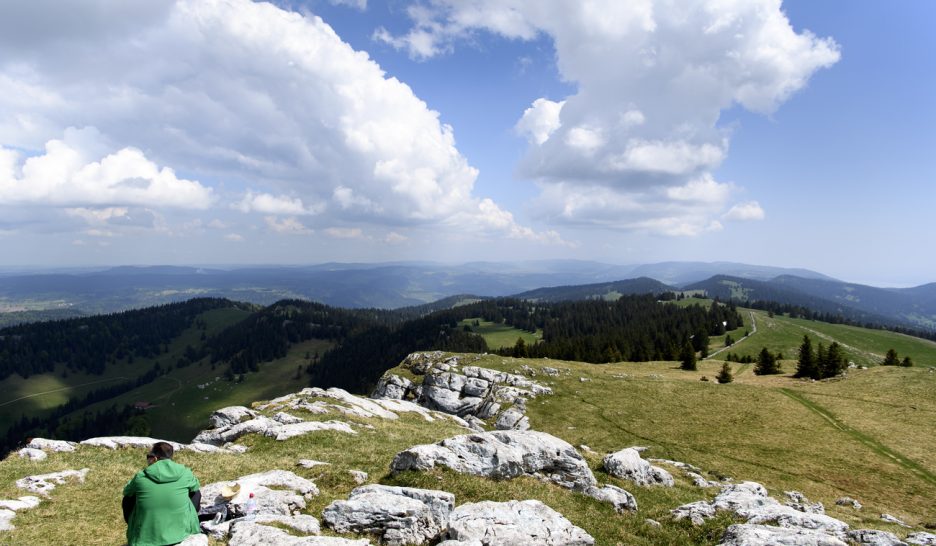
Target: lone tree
(906, 362)
(891, 358)
(766, 363)
(806, 366)
(724, 376)
(687, 357)
(729, 341)
(834, 362)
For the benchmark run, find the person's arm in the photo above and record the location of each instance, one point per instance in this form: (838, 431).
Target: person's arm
(196, 500)
(128, 504)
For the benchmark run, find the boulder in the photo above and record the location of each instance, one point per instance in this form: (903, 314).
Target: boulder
(45, 483)
(392, 387)
(286, 432)
(276, 492)
(254, 533)
(621, 500)
(512, 419)
(309, 463)
(873, 537)
(52, 445)
(528, 522)
(232, 415)
(6, 517)
(368, 407)
(359, 476)
(628, 465)
(398, 515)
(848, 501)
(502, 455)
(32, 454)
(922, 539)
(765, 535)
(696, 512)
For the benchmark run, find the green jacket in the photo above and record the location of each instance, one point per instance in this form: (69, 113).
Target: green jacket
(163, 514)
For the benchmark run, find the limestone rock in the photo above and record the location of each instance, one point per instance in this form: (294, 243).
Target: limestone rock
(32, 454)
(896, 521)
(22, 503)
(502, 455)
(195, 540)
(286, 432)
(51, 445)
(135, 442)
(552, 372)
(276, 492)
(369, 407)
(309, 463)
(621, 500)
(696, 512)
(226, 417)
(392, 387)
(872, 537)
(253, 533)
(358, 476)
(628, 465)
(6, 517)
(798, 501)
(399, 515)
(45, 483)
(765, 535)
(848, 501)
(528, 522)
(287, 419)
(512, 419)
(922, 539)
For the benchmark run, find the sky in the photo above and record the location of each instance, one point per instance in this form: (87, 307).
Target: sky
(204, 132)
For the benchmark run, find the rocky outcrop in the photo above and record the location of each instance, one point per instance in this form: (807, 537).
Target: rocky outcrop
(45, 483)
(765, 535)
(230, 416)
(32, 454)
(848, 501)
(528, 522)
(922, 539)
(398, 515)
(896, 521)
(503, 455)
(9, 508)
(798, 501)
(872, 537)
(52, 445)
(267, 427)
(465, 391)
(627, 464)
(750, 501)
(255, 533)
(621, 500)
(145, 442)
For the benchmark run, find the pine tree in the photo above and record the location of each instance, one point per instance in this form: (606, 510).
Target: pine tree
(766, 363)
(724, 376)
(688, 358)
(906, 362)
(891, 359)
(834, 362)
(806, 366)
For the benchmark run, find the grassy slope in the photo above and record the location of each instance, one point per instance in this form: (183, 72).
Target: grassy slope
(500, 335)
(749, 429)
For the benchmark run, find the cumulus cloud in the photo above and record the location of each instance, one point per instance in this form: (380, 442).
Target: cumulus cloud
(652, 79)
(286, 226)
(745, 211)
(344, 233)
(231, 91)
(234, 237)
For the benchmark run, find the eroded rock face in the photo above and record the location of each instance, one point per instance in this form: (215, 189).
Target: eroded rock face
(398, 515)
(765, 535)
(226, 417)
(503, 455)
(393, 387)
(511, 523)
(873, 537)
(628, 465)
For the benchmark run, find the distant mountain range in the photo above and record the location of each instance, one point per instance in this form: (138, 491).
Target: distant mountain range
(416, 284)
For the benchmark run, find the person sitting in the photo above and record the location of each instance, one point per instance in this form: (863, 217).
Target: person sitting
(160, 502)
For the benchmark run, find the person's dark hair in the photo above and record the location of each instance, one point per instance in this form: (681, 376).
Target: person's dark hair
(162, 450)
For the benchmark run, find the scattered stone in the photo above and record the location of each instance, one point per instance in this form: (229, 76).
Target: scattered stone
(475, 423)
(528, 522)
(891, 519)
(309, 463)
(798, 501)
(848, 501)
(551, 372)
(621, 500)
(45, 483)
(6, 516)
(359, 476)
(22, 503)
(700, 481)
(696, 512)
(586, 449)
(584, 379)
(32, 454)
(51, 445)
(922, 539)
(765, 535)
(254, 533)
(873, 537)
(653, 523)
(502, 455)
(399, 515)
(628, 465)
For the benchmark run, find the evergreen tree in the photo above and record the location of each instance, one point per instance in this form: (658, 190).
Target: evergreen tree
(891, 359)
(724, 376)
(834, 362)
(806, 366)
(766, 363)
(906, 362)
(688, 357)
(519, 349)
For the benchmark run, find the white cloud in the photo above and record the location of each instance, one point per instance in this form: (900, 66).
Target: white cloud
(231, 90)
(234, 237)
(345, 233)
(652, 79)
(540, 120)
(750, 210)
(72, 172)
(395, 238)
(360, 5)
(286, 226)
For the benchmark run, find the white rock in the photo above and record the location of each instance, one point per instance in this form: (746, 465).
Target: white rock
(621, 500)
(287, 419)
(6, 517)
(798, 501)
(392, 387)
(873, 537)
(32, 454)
(22, 503)
(341, 395)
(43, 484)
(248, 533)
(286, 432)
(696, 512)
(136, 442)
(628, 465)
(511, 523)
(653, 522)
(897, 521)
(276, 492)
(309, 463)
(399, 515)
(195, 540)
(503, 455)
(765, 535)
(405, 406)
(848, 501)
(512, 419)
(230, 416)
(922, 539)
(359, 476)
(52, 445)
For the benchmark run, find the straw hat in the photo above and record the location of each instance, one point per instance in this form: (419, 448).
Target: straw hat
(230, 491)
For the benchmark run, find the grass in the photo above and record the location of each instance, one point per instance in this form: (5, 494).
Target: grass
(499, 335)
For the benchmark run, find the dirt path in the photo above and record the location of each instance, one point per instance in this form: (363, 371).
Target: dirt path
(868, 441)
(61, 389)
(751, 333)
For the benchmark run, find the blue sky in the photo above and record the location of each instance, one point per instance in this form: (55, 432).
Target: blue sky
(227, 131)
